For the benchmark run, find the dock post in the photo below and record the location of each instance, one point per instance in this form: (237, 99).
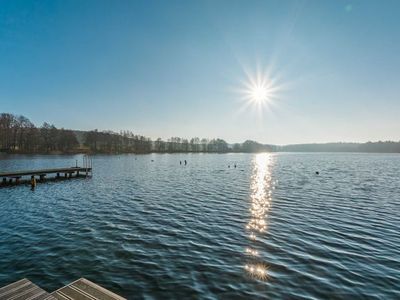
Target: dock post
(17, 180)
(65, 175)
(85, 164)
(10, 181)
(58, 175)
(33, 182)
(4, 181)
(77, 173)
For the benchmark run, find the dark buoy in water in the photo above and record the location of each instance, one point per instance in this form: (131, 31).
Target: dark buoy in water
(235, 166)
(152, 160)
(229, 166)
(180, 162)
(316, 172)
(185, 162)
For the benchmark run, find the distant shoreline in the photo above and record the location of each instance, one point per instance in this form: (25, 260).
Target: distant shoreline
(188, 152)
(18, 135)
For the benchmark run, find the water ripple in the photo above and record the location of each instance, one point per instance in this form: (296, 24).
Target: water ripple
(269, 229)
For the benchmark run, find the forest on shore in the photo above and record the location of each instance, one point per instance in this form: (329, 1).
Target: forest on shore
(19, 135)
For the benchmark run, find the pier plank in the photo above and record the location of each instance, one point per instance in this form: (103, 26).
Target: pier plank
(83, 289)
(24, 290)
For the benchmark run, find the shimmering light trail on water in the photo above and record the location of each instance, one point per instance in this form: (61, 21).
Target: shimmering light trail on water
(260, 203)
(148, 228)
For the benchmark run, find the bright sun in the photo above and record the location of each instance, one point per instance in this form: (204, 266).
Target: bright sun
(260, 90)
(259, 93)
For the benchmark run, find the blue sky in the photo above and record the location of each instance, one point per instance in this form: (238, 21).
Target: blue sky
(178, 68)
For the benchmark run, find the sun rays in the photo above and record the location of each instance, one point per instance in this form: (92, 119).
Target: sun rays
(259, 91)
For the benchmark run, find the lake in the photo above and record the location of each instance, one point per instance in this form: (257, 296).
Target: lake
(145, 226)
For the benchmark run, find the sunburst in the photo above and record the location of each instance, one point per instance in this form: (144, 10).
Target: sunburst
(259, 90)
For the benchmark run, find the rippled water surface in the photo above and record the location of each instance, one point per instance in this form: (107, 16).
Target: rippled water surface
(270, 228)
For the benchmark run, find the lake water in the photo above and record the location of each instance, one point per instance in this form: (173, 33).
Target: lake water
(270, 228)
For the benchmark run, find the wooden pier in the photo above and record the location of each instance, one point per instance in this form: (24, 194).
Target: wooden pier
(81, 289)
(24, 289)
(16, 177)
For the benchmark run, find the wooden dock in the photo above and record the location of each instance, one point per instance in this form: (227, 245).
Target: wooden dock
(84, 289)
(16, 177)
(22, 290)
(68, 172)
(81, 289)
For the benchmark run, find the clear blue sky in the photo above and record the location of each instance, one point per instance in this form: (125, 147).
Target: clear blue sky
(174, 68)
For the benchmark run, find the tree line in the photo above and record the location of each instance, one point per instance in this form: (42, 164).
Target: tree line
(369, 147)
(19, 135)
(128, 142)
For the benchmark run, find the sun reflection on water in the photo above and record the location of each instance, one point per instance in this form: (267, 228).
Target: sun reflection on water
(259, 271)
(261, 197)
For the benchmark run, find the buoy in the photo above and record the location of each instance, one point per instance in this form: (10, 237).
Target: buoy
(317, 172)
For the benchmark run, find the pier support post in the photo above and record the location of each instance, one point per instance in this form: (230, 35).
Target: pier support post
(65, 175)
(77, 173)
(58, 175)
(17, 180)
(33, 182)
(4, 181)
(42, 176)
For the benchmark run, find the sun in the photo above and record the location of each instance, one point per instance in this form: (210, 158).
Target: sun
(259, 93)
(259, 90)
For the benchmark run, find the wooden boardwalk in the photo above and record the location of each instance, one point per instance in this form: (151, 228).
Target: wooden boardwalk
(81, 289)
(24, 290)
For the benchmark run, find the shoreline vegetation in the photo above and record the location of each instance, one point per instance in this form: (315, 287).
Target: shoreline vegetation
(18, 135)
